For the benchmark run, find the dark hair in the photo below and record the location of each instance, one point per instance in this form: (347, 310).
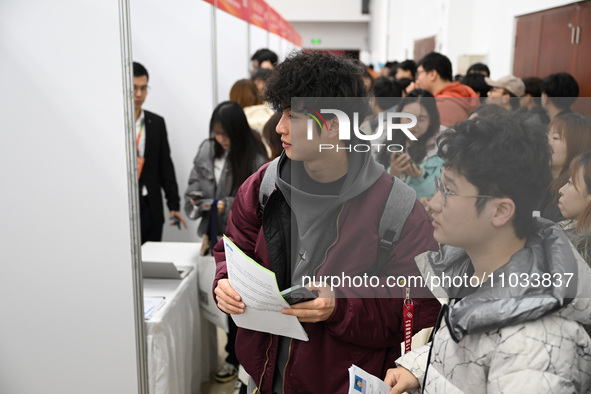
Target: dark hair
(438, 62)
(271, 137)
(387, 92)
(477, 83)
(533, 86)
(367, 75)
(418, 150)
(501, 156)
(265, 54)
(245, 93)
(582, 162)
(478, 68)
(409, 65)
(313, 76)
(485, 110)
(404, 82)
(139, 70)
(244, 147)
(561, 88)
(576, 131)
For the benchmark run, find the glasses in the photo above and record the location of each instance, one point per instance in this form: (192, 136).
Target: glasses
(142, 89)
(440, 187)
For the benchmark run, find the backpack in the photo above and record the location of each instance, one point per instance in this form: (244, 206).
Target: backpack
(399, 204)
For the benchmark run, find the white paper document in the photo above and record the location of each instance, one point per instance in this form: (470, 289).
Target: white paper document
(259, 291)
(363, 382)
(152, 305)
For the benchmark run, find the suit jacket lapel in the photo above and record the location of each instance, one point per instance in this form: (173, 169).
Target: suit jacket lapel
(149, 134)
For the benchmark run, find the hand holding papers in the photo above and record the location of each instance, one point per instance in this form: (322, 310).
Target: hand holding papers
(258, 288)
(365, 383)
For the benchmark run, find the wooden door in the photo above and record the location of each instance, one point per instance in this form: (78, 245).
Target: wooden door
(423, 47)
(527, 45)
(557, 40)
(582, 63)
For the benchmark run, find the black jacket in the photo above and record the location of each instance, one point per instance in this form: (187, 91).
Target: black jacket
(158, 171)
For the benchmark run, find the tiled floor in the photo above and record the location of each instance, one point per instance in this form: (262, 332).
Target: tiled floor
(213, 387)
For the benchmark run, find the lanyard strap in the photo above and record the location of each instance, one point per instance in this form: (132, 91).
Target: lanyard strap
(408, 312)
(139, 135)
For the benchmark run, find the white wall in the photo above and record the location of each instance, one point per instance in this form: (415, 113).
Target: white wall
(66, 282)
(461, 27)
(275, 44)
(233, 59)
(325, 10)
(258, 38)
(334, 35)
(173, 40)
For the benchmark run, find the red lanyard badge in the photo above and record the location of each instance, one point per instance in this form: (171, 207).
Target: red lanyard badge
(407, 312)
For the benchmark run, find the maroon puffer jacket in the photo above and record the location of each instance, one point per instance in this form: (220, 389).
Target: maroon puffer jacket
(363, 331)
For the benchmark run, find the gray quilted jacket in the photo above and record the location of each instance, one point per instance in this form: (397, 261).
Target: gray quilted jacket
(520, 338)
(202, 179)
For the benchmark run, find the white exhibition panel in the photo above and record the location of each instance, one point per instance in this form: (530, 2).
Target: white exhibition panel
(66, 283)
(258, 39)
(275, 45)
(173, 40)
(286, 48)
(232, 52)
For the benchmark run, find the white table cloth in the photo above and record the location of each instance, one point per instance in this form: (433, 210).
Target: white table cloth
(182, 350)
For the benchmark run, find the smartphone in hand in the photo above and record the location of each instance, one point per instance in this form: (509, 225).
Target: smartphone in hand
(297, 294)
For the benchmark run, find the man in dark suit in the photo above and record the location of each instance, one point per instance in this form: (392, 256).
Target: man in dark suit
(155, 168)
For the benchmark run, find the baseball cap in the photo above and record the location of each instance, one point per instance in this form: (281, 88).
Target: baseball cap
(511, 83)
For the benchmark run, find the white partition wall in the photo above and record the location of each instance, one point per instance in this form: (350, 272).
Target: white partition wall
(259, 38)
(275, 45)
(173, 40)
(66, 284)
(232, 52)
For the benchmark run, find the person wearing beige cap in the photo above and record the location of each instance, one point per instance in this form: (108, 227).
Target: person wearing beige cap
(504, 91)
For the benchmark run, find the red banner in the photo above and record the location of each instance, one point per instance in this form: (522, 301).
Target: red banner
(258, 13)
(284, 28)
(297, 39)
(238, 8)
(274, 21)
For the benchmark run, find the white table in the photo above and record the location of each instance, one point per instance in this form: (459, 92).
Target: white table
(182, 349)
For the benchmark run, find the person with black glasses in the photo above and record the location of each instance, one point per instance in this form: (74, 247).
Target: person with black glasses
(517, 292)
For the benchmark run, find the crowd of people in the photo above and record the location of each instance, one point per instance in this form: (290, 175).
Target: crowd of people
(491, 183)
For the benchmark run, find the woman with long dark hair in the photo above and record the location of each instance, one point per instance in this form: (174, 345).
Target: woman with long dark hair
(420, 164)
(224, 161)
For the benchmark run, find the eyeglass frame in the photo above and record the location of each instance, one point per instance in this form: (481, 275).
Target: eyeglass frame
(143, 88)
(440, 187)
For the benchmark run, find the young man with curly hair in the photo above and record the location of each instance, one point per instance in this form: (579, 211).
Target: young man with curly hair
(322, 219)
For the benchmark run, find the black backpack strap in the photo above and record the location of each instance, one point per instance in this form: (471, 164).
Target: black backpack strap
(268, 184)
(399, 204)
